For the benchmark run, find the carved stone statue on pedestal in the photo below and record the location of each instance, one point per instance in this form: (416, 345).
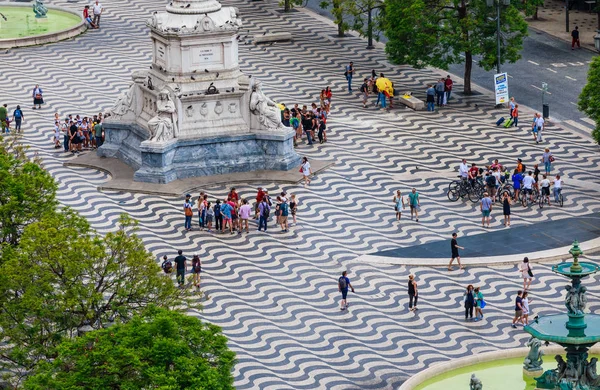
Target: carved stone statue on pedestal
(163, 126)
(269, 115)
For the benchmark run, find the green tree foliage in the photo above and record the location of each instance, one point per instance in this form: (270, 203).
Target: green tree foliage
(443, 32)
(288, 5)
(63, 275)
(365, 17)
(589, 99)
(27, 192)
(159, 349)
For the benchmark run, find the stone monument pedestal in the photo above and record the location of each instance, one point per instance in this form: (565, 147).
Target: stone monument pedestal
(194, 113)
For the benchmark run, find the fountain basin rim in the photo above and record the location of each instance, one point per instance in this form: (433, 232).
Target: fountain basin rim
(564, 269)
(552, 328)
(41, 39)
(451, 365)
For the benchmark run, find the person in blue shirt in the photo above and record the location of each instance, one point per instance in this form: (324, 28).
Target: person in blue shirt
(226, 210)
(343, 285)
(430, 98)
(263, 211)
(517, 178)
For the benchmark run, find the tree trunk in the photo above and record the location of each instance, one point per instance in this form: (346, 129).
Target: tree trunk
(339, 17)
(341, 32)
(535, 14)
(370, 29)
(286, 6)
(468, 67)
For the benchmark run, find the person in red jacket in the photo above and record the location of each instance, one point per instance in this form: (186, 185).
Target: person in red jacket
(86, 16)
(259, 197)
(448, 87)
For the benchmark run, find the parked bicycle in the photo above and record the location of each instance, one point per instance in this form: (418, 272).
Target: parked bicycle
(460, 188)
(527, 199)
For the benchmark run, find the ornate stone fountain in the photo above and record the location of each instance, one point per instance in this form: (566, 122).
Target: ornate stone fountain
(576, 331)
(194, 113)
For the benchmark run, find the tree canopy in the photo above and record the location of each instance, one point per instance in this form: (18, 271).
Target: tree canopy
(158, 349)
(589, 99)
(443, 32)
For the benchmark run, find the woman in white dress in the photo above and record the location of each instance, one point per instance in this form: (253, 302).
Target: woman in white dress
(526, 273)
(305, 169)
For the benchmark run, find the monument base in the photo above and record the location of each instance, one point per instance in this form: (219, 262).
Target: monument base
(208, 156)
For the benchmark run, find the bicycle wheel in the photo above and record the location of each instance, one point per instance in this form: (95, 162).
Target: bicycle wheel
(453, 194)
(510, 189)
(541, 202)
(560, 200)
(524, 199)
(476, 194)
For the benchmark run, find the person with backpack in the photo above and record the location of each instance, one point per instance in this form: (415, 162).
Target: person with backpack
(166, 265)
(181, 262)
(196, 270)
(18, 118)
(490, 181)
(218, 217)
(364, 90)
(526, 273)
(263, 211)
(343, 285)
(413, 294)
(188, 212)
(469, 303)
(284, 210)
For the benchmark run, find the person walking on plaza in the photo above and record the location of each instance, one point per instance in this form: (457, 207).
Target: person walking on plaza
(547, 159)
(97, 9)
(414, 203)
(364, 90)
(38, 97)
(188, 212)
(558, 183)
(448, 87)
(515, 116)
(430, 98)
(525, 304)
(486, 209)
(439, 91)
(263, 211)
(398, 204)
(349, 73)
(575, 38)
(455, 255)
(343, 285)
(196, 270)
(506, 202)
(518, 309)
(293, 208)
(538, 127)
(306, 171)
(181, 263)
(469, 303)
(413, 293)
(18, 117)
(526, 273)
(479, 304)
(511, 106)
(4, 118)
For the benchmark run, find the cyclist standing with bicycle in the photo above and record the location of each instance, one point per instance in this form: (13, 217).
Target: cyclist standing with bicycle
(545, 184)
(473, 172)
(517, 178)
(557, 187)
(463, 169)
(528, 182)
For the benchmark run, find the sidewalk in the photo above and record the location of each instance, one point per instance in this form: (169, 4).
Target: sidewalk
(551, 20)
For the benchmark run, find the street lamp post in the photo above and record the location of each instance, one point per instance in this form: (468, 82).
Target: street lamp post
(490, 3)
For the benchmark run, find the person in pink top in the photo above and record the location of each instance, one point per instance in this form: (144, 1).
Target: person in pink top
(245, 211)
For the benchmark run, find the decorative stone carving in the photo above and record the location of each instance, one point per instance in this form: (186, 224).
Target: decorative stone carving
(163, 126)
(203, 109)
(269, 115)
(206, 23)
(575, 299)
(218, 108)
(189, 111)
(533, 361)
(475, 383)
(232, 108)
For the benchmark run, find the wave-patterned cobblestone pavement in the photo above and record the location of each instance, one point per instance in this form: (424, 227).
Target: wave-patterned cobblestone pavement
(275, 294)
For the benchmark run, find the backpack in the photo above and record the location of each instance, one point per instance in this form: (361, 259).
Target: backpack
(363, 88)
(342, 283)
(491, 180)
(217, 210)
(17, 114)
(269, 200)
(284, 209)
(188, 212)
(266, 211)
(167, 266)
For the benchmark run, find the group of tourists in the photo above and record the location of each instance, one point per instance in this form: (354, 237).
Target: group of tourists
(234, 213)
(439, 92)
(312, 121)
(181, 268)
(76, 133)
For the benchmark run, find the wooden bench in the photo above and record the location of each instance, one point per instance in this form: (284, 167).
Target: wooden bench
(412, 102)
(273, 37)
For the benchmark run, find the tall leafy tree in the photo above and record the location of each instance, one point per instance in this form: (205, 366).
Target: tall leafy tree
(63, 277)
(27, 192)
(365, 17)
(339, 14)
(443, 32)
(589, 99)
(159, 349)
